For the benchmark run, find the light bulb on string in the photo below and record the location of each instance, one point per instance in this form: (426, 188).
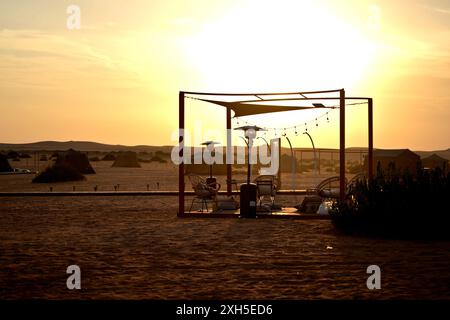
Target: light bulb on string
(284, 132)
(296, 133)
(317, 124)
(328, 119)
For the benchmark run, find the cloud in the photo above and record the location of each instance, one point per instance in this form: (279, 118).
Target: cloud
(437, 9)
(33, 57)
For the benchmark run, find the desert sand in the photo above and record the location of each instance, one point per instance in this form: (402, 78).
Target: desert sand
(136, 248)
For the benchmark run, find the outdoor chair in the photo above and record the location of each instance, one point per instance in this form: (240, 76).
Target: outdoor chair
(266, 186)
(358, 177)
(204, 192)
(326, 189)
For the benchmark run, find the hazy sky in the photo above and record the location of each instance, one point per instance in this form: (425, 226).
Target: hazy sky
(116, 80)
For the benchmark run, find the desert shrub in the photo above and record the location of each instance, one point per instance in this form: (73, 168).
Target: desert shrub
(162, 154)
(60, 172)
(24, 156)
(400, 205)
(12, 155)
(109, 157)
(355, 168)
(157, 158)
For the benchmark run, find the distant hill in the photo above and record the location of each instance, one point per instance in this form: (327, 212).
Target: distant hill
(101, 147)
(442, 153)
(78, 145)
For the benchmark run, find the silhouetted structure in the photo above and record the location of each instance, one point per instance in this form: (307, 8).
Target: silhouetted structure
(4, 164)
(401, 159)
(127, 159)
(24, 156)
(255, 104)
(77, 160)
(61, 172)
(109, 157)
(12, 155)
(69, 166)
(435, 161)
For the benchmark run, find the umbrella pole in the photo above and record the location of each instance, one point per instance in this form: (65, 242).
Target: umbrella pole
(249, 168)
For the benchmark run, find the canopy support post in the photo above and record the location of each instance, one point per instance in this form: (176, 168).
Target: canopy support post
(181, 186)
(370, 156)
(229, 156)
(342, 145)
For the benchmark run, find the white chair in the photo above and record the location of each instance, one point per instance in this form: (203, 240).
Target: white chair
(267, 186)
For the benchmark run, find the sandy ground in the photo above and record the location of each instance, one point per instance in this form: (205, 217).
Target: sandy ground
(136, 248)
(132, 179)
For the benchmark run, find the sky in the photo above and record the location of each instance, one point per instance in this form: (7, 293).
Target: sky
(116, 79)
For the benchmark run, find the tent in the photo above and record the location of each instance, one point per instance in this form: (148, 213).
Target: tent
(61, 172)
(126, 159)
(109, 157)
(76, 160)
(4, 164)
(402, 159)
(435, 161)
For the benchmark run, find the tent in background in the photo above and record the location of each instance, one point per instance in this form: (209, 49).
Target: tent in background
(4, 164)
(435, 161)
(76, 160)
(127, 159)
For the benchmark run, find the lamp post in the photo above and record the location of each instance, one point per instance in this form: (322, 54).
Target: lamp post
(248, 190)
(210, 146)
(250, 135)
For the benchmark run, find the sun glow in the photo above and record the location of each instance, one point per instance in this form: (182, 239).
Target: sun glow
(275, 46)
(127, 63)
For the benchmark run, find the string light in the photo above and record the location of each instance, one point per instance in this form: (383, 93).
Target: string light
(277, 131)
(295, 127)
(315, 120)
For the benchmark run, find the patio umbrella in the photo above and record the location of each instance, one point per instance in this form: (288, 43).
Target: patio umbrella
(210, 145)
(250, 134)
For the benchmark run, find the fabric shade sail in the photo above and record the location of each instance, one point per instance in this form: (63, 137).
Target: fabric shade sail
(247, 109)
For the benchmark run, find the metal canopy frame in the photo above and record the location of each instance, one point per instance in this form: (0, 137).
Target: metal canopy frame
(267, 97)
